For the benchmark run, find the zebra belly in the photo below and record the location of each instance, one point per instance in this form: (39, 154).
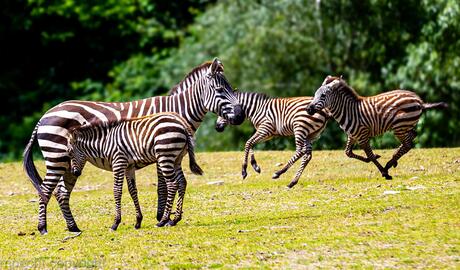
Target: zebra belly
(103, 163)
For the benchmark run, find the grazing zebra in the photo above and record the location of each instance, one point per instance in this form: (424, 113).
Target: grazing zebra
(161, 138)
(279, 117)
(365, 117)
(206, 89)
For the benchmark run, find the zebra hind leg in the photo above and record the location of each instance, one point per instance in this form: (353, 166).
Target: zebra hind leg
(407, 140)
(305, 160)
(162, 193)
(131, 179)
(119, 168)
(62, 193)
(172, 187)
(299, 152)
(49, 184)
(254, 164)
(180, 178)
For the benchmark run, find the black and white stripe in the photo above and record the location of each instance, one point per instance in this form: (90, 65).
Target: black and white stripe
(365, 117)
(206, 90)
(279, 117)
(162, 138)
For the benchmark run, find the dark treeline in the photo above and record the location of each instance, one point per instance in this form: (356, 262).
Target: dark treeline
(119, 50)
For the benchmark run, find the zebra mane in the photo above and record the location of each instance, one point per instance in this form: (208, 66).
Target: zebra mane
(192, 76)
(347, 90)
(247, 93)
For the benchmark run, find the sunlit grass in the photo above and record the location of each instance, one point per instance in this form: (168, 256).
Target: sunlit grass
(337, 216)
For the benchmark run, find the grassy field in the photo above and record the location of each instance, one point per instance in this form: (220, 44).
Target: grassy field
(342, 214)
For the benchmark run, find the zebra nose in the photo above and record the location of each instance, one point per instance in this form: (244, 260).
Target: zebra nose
(238, 116)
(311, 110)
(76, 172)
(220, 127)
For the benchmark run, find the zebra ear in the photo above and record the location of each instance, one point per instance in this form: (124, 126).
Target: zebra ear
(341, 77)
(216, 66)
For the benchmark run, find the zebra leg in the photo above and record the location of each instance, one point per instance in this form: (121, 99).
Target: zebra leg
(180, 178)
(172, 187)
(254, 164)
(131, 180)
(350, 154)
(162, 193)
(62, 193)
(52, 178)
(119, 167)
(262, 134)
(406, 139)
(299, 152)
(370, 155)
(305, 160)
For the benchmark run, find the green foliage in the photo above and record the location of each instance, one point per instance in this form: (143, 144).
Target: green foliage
(255, 223)
(125, 50)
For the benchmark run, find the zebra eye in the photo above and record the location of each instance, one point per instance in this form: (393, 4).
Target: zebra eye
(220, 89)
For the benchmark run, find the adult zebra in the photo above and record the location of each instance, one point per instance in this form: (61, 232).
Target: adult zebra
(162, 138)
(207, 90)
(365, 117)
(279, 117)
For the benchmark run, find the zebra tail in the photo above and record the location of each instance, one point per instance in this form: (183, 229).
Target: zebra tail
(29, 166)
(438, 105)
(191, 156)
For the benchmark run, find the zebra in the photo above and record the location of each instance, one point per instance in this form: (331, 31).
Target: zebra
(365, 117)
(204, 89)
(161, 138)
(279, 117)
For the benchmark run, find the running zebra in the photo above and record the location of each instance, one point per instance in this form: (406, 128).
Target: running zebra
(365, 117)
(279, 117)
(162, 138)
(204, 89)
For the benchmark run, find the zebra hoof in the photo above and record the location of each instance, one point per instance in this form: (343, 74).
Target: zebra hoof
(162, 223)
(275, 176)
(387, 176)
(256, 168)
(244, 174)
(292, 184)
(74, 229)
(43, 231)
(138, 222)
(114, 227)
(171, 223)
(395, 164)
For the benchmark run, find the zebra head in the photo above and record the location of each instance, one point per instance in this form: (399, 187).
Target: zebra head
(220, 97)
(77, 157)
(221, 123)
(322, 96)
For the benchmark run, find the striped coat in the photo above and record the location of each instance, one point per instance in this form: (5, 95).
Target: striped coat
(365, 117)
(274, 117)
(204, 89)
(162, 138)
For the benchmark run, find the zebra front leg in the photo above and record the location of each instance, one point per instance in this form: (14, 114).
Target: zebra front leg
(305, 160)
(131, 180)
(254, 164)
(180, 178)
(162, 193)
(262, 133)
(119, 168)
(406, 145)
(368, 150)
(350, 154)
(62, 193)
(299, 152)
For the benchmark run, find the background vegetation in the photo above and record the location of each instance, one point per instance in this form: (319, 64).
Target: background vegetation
(118, 50)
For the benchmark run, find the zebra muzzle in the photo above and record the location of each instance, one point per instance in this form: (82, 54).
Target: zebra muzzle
(311, 109)
(238, 116)
(76, 172)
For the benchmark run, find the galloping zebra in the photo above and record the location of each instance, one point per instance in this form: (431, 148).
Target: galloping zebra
(206, 90)
(365, 117)
(162, 138)
(279, 117)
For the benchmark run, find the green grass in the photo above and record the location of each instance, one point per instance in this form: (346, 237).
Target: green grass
(336, 217)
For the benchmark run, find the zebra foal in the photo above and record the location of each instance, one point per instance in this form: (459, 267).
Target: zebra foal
(365, 117)
(127, 145)
(279, 117)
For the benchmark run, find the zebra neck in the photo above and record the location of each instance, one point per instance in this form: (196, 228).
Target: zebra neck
(189, 105)
(345, 109)
(252, 103)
